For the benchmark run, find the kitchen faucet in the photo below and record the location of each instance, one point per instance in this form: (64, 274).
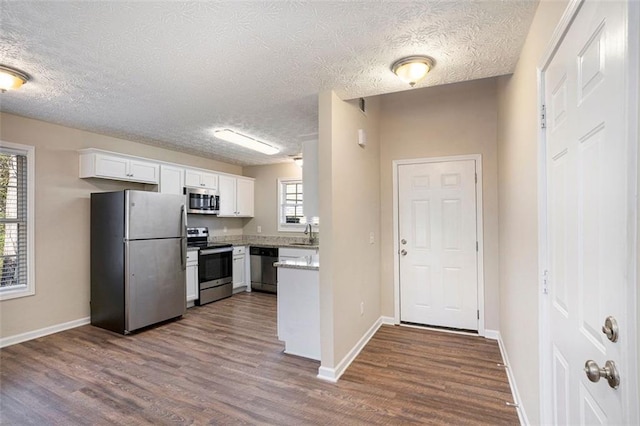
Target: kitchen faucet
(309, 230)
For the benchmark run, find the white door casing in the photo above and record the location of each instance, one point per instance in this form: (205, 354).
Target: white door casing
(585, 245)
(438, 264)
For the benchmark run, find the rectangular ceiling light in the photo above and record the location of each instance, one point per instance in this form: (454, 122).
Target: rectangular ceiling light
(245, 141)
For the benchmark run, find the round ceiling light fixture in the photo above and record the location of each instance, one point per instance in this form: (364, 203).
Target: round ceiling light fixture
(412, 69)
(11, 78)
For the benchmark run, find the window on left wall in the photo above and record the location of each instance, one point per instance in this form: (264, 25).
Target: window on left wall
(16, 220)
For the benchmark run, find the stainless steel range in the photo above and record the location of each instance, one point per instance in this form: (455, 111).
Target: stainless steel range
(215, 266)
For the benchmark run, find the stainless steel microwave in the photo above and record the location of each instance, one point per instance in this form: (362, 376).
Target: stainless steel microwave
(202, 201)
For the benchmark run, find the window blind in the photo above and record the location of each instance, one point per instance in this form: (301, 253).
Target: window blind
(13, 219)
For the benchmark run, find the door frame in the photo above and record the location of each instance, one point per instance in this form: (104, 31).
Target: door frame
(477, 158)
(631, 48)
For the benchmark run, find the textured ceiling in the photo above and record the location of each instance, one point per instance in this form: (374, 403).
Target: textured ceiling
(166, 73)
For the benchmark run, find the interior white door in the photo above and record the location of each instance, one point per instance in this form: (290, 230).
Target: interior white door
(438, 251)
(587, 206)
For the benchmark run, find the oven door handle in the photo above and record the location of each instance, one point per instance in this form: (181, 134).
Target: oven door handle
(216, 251)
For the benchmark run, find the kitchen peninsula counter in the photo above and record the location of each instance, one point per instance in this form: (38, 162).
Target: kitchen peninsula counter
(311, 263)
(299, 305)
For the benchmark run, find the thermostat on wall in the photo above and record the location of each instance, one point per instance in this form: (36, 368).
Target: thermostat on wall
(362, 137)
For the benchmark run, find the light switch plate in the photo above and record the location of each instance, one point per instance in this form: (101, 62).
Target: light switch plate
(259, 229)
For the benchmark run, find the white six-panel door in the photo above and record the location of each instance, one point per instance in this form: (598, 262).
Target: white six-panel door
(438, 253)
(587, 234)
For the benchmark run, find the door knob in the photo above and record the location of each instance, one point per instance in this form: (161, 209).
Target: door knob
(403, 252)
(609, 372)
(610, 328)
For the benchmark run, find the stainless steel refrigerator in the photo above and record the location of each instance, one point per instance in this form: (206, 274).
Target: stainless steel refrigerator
(138, 259)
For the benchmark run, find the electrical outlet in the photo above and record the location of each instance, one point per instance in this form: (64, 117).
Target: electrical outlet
(259, 229)
(372, 238)
(361, 308)
(224, 229)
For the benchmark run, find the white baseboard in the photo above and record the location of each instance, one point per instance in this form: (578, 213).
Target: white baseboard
(388, 320)
(19, 338)
(333, 374)
(522, 415)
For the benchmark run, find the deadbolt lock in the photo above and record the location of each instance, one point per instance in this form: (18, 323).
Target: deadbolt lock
(403, 241)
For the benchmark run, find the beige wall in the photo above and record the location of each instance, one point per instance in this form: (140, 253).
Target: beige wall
(449, 120)
(518, 174)
(62, 218)
(266, 196)
(349, 210)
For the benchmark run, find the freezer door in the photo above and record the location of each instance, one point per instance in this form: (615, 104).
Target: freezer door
(155, 283)
(153, 215)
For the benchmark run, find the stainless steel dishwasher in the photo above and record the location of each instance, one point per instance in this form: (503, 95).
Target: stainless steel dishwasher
(264, 276)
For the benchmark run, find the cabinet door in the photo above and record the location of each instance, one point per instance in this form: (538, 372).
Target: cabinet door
(143, 171)
(244, 197)
(110, 166)
(238, 271)
(192, 282)
(192, 178)
(171, 180)
(227, 189)
(209, 181)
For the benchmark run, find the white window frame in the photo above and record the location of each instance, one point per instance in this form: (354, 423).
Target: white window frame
(30, 288)
(288, 227)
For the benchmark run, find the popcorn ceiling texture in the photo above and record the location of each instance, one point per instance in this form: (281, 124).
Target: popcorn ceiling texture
(166, 73)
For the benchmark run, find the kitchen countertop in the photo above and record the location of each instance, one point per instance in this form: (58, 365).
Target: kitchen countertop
(270, 244)
(311, 263)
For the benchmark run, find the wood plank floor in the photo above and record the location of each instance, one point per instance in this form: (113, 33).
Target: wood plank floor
(222, 364)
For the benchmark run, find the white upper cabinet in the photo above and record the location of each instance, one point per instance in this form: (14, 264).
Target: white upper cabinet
(200, 179)
(236, 196)
(171, 179)
(118, 167)
(244, 197)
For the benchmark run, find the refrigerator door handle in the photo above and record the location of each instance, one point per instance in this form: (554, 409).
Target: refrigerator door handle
(183, 239)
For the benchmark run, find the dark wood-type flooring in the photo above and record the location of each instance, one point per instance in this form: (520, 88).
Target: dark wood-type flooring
(222, 364)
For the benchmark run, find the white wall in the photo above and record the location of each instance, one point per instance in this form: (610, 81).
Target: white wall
(266, 197)
(349, 211)
(62, 218)
(454, 119)
(517, 191)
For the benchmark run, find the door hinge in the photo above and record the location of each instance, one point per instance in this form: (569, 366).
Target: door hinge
(476, 178)
(477, 246)
(545, 282)
(478, 313)
(543, 117)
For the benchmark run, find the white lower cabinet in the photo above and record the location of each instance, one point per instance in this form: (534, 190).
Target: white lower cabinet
(299, 311)
(239, 269)
(192, 276)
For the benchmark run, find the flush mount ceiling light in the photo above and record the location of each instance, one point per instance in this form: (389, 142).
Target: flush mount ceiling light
(412, 69)
(11, 78)
(245, 141)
